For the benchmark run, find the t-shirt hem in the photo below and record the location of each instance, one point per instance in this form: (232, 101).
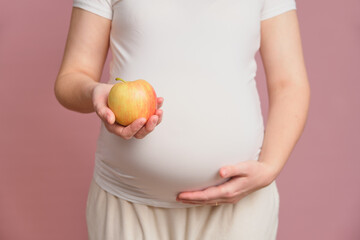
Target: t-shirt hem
(93, 9)
(278, 10)
(106, 187)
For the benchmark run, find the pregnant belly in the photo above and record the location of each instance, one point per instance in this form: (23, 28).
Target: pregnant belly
(165, 163)
(196, 137)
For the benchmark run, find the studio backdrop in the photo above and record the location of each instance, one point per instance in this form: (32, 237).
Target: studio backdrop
(47, 152)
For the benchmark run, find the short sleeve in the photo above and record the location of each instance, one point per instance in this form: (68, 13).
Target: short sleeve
(272, 8)
(100, 7)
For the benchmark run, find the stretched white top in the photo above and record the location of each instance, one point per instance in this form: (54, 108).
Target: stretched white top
(199, 55)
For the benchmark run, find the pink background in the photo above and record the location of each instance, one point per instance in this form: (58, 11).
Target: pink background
(47, 152)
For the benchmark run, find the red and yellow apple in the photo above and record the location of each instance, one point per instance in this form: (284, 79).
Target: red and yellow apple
(130, 100)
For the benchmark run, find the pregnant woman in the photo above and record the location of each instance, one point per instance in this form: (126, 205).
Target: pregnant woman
(208, 170)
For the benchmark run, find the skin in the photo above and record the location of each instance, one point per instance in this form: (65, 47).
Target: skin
(77, 88)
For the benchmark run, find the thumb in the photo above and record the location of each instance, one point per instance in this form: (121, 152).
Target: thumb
(234, 170)
(110, 116)
(106, 114)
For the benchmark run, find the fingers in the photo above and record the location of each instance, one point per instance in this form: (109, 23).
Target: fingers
(241, 168)
(152, 122)
(106, 115)
(204, 195)
(159, 112)
(150, 125)
(216, 202)
(159, 102)
(137, 129)
(225, 192)
(126, 132)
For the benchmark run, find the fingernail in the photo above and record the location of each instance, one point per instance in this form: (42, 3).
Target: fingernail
(224, 173)
(155, 121)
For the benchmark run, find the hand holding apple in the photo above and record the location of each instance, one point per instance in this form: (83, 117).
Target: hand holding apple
(137, 129)
(130, 100)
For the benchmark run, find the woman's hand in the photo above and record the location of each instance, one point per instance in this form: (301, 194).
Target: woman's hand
(137, 129)
(245, 178)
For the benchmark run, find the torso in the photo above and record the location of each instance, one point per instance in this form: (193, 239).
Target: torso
(200, 57)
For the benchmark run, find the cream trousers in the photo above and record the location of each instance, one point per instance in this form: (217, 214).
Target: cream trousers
(254, 217)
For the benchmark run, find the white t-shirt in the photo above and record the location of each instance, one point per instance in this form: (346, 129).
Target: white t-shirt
(199, 55)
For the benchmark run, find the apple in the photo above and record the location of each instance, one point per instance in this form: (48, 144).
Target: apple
(130, 100)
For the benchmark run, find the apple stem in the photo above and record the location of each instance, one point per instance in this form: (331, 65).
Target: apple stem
(120, 80)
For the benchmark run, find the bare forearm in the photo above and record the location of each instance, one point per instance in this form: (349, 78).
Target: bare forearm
(74, 92)
(286, 120)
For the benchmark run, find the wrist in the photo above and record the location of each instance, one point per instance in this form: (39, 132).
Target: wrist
(272, 171)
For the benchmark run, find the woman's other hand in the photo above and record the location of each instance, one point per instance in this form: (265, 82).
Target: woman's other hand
(138, 129)
(245, 178)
